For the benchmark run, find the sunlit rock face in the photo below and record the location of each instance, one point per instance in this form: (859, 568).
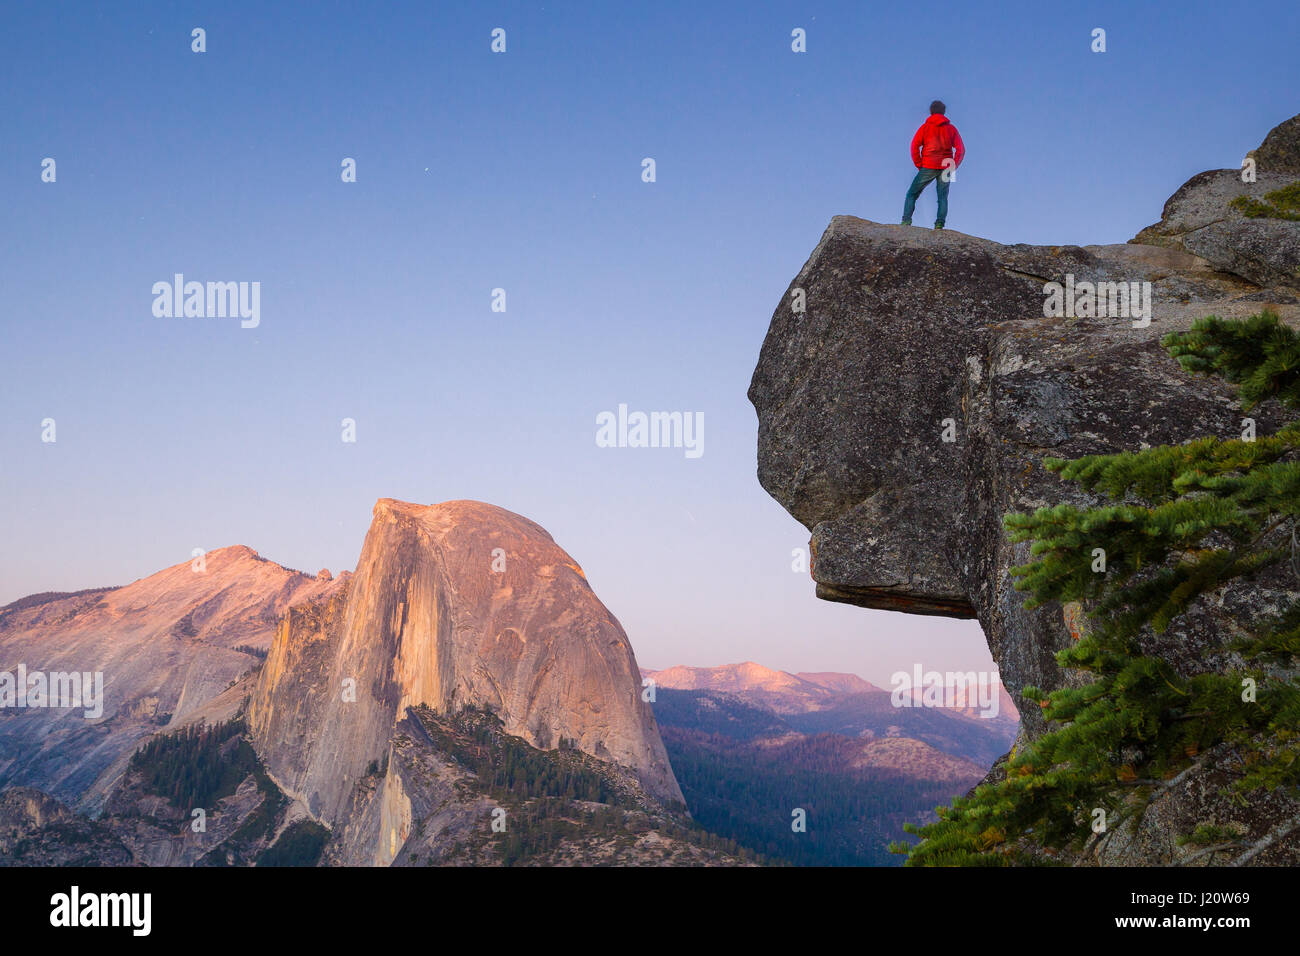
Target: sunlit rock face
(456, 604)
(166, 646)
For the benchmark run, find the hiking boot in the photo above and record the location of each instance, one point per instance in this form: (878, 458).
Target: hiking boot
(938, 225)
(906, 222)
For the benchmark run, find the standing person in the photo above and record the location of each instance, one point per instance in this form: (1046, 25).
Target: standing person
(935, 141)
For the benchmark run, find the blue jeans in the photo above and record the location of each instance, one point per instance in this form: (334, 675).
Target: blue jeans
(923, 178)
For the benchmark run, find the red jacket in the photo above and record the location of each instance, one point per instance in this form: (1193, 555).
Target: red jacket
(935, 141)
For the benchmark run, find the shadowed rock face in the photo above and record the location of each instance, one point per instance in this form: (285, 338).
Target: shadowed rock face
(907, 330)
(1280, 150)
(429, 619)
(37, 830)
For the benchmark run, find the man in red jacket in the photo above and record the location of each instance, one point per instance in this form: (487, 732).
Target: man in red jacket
(936, 148)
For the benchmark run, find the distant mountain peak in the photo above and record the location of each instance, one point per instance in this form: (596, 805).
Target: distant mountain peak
(844, 683)
(749, 675)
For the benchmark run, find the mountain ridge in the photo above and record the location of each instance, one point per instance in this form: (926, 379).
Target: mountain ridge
(452, 606)
(166, 644)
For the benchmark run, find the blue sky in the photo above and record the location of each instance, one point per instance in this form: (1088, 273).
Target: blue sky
(522, 171)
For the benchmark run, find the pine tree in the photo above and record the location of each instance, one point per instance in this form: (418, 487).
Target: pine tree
(1186, 521)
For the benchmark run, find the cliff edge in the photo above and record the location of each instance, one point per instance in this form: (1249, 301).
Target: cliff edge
(912, 381)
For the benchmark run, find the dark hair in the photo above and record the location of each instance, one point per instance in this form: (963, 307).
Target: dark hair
(938, 107)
